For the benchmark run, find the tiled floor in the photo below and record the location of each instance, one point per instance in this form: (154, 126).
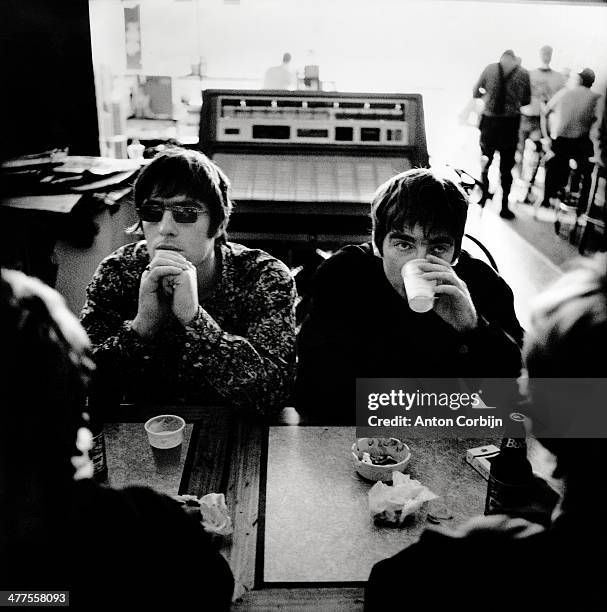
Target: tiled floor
(523, 266)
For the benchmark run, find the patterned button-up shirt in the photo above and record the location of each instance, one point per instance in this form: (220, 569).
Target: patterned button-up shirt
(238, 350)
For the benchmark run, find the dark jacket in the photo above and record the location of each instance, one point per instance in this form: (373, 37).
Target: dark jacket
(359, 327)
(517, 90)
(130, 549)
(499, 563)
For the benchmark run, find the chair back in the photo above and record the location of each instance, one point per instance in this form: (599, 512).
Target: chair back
(477, 249)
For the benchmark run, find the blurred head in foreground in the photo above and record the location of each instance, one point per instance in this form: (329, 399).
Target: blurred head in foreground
(567, 341)
(77, 536)
(43, 381)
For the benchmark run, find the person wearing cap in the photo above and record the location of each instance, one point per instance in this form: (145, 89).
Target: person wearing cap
(360, 324)
(504, 87)
(527, 566)
(570, 114)
(184, 316)
(545, 82)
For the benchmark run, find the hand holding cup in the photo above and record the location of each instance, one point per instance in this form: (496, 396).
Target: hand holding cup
(452, 301)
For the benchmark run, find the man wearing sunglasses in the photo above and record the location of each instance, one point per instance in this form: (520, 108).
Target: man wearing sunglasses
(184, 315)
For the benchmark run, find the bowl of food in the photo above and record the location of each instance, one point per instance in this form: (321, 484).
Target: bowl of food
(376, 458)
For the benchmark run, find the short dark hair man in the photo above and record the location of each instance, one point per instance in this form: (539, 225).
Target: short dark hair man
(360, 324)
(184, 315)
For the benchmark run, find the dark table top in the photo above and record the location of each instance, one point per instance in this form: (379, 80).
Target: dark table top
(223, 455)
(132, 461)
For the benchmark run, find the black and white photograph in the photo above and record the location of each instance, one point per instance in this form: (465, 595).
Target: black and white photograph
(303, 305)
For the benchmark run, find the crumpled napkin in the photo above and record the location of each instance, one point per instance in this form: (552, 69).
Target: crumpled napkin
(391, 504)
(213, 511)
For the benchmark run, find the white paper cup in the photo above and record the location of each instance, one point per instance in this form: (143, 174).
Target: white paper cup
(165, 430)
(420, 292)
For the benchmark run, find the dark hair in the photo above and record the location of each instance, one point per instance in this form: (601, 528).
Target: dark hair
(184, 171)
(587, 77)
(286, 58)
(44, 379)
(419, 196)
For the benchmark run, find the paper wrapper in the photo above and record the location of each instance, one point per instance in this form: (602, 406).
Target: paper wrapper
(215, 517)
(213, 511)
(392, 504)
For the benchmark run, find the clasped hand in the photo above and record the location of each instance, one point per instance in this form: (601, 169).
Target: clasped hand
(453, 302)
(168, 284)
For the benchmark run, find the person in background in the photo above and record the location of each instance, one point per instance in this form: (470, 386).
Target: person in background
(545, 82)
(281, 76)
(526, 566)
(601, 138)
(59, 530)
(570, 114)
(360, 324)
(598, 132)
(184, 315)
(504, 87)
(140, 103)
(598, 135)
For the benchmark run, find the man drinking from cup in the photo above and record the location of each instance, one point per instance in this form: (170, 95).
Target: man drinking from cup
(365, 321)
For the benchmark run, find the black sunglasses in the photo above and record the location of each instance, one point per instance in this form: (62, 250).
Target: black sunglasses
(153, 213)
